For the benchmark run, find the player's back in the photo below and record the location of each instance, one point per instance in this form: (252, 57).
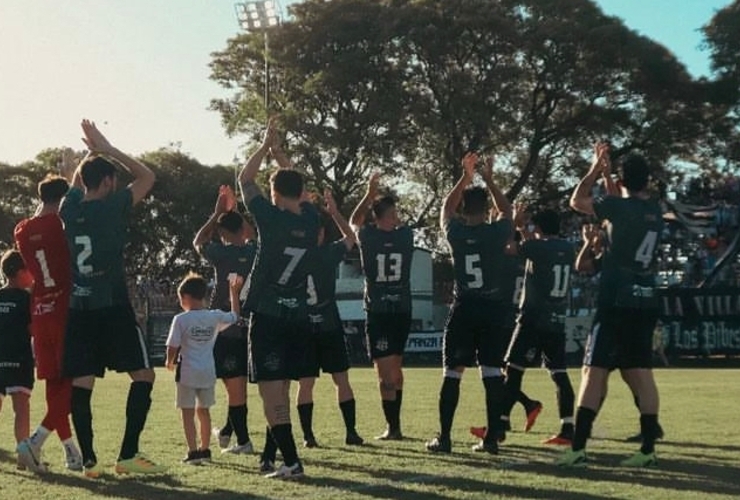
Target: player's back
(15, 318)
(478, 256)
(278, 282)
(386, 261)
(96, 235)
(227, 259)
(549, 266)
(633, 233)
(43, 245)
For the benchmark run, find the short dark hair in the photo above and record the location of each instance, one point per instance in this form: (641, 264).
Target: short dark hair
(382, 205)
(11, 262)
(52, 188)
(548, 221)
(475, 201)
(194, 285)
(288, 183)
(94, 170)
(635, 172)
(230, 221)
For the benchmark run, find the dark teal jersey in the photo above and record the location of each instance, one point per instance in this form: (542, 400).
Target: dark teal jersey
(322, 285)
(278, 282)
(513, 279)
(633, 235)
(549, 267)
(15, 323)
(386, 261)
(227, 259)
(96, 235)
(478, 258)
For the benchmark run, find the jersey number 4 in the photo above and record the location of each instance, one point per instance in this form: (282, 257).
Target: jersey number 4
(644, 253)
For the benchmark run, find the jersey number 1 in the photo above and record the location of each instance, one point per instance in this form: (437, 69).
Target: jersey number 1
(41, 258)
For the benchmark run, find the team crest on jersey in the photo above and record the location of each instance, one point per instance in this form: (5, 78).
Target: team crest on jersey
(471, 242)
(35, 237)
(381, 344)
(298, 233)
(388, 245)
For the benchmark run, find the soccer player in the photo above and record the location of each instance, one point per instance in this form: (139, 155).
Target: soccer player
(540, 328)
(190, 344)
(16, 357)
(475, 326)
(101, 330)
(277, 293)
(621, 336)
(386, 250)
(513, 275)
(327, 339)
(589, 261)
(232, 253)
(42, 243)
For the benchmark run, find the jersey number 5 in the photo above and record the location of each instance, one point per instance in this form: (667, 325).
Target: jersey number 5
(475, 272)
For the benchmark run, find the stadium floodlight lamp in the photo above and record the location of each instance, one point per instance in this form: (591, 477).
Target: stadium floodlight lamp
(257, 15)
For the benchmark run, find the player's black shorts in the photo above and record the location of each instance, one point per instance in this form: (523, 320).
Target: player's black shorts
(16, 375)
(230, 352)
(531, 341)
(327, 352)
(621, 338)
(387, 333)
(278, 349)
(97, 339)
(476, 332)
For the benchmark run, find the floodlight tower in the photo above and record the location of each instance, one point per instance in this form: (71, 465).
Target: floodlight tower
(260, 15)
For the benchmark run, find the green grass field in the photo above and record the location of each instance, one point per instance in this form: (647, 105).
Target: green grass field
(700, 457)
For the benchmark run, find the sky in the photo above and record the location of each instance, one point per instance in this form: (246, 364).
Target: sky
(139, 69)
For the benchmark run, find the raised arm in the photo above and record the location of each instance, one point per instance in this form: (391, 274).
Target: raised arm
(280, 157)
(68, 168)
(454, 197)
(500, 202)
(248, 175)
(586, 256)
(235, 288)
(225, 202)
(357, 219)
(582, 200)
(521, 219)
(350, 239)
(606, 173)
(98, 144)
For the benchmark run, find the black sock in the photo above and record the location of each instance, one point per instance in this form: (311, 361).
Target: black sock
(566, 396)
(82, 421)
(348, 414)
(524, 400)
(227, 429)
(305, 414)
(494, 387)
(512, 391)
(137, 407)
(389, 412)
(283, 436)
(238, 419)
(449, 395)
(649, 429)
(397, 407)
(584, 422)
(270, 451)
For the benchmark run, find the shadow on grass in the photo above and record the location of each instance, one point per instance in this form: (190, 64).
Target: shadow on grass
(396, 484)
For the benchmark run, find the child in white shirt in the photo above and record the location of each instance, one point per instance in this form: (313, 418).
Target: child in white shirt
(192, 335)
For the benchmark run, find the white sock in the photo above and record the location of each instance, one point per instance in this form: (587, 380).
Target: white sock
(39, 436)
(70, 447)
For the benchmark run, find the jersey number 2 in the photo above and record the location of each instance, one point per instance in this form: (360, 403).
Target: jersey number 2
(86, 243)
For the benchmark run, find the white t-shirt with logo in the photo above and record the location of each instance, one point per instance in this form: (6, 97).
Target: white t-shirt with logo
(194, 332)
